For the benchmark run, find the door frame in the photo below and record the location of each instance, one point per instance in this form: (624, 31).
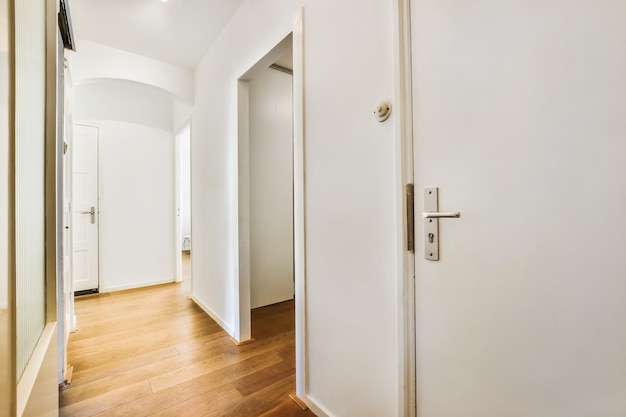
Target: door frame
(242, 330)
(68, 318)
(178, 247)
(403, 118)
(99, 202)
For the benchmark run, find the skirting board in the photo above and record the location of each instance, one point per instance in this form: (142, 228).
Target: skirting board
(212, 314)
(135, 286)
(318, 410)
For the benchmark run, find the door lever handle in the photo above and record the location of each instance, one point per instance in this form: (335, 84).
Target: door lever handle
(442, 215)
(431, 222)
(92, 212)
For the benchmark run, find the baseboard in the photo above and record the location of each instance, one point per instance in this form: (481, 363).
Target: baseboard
(137, 285)
(213, 315)
(318, 410)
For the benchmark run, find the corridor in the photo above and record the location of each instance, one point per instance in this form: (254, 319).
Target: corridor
(153, 352)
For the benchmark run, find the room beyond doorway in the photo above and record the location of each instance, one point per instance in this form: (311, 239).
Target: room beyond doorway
(265, 186)
(271, 187)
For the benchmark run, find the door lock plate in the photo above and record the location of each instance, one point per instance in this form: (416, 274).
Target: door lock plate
(431, 225)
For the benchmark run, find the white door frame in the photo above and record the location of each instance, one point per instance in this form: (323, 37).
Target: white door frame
(242, 331)
(177, 201)
(69, 317)
(101, 283)
(403, 118)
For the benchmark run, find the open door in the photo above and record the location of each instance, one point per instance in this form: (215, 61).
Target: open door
(85, 210)
(519, 121)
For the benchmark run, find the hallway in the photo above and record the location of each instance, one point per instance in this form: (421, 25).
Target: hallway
(153, 352)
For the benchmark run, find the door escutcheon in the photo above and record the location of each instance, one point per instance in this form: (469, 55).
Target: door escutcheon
(431, 222)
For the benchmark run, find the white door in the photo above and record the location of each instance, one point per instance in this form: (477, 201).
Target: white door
(519, 119)
(85, 207)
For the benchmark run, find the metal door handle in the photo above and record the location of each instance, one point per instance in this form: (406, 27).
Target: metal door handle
(442, 215)
(92, 212)
(431, 222)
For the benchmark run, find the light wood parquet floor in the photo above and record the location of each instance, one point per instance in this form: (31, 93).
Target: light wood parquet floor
(153, 352)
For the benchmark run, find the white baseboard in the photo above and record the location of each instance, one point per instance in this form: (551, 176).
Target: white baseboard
(213, 315)
(137, 285)
(317, 409)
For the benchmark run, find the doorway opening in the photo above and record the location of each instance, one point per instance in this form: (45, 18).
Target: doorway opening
(256, 193)
(271, 185)
(183, 202)
(266, 238)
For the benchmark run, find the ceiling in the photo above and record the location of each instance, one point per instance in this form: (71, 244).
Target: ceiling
(174, 31)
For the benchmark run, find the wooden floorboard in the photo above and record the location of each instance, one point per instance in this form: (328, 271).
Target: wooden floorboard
(153, 352)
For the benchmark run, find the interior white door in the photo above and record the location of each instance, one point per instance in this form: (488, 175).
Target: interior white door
(519, 120)
(85, 207)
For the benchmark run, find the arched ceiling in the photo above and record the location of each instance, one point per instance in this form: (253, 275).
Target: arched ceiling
(175, 31)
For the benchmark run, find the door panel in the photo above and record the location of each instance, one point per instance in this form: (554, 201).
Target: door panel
(519, 120)
(85, 199)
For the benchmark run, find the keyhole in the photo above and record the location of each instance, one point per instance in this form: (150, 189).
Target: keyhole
(431, 237)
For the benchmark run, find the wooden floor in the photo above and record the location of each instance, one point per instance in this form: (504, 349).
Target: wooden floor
(153, 352)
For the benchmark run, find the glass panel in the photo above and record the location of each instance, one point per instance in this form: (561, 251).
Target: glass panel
(30, 94)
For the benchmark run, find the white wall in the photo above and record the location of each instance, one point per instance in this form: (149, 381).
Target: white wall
(271, 189)
(137, 205)
(93, 61)
(136, 182)
(520, 121)
(124, 101)
(182, 113)
(351, 241)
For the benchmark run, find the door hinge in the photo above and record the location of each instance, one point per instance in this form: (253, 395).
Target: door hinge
(410, 218)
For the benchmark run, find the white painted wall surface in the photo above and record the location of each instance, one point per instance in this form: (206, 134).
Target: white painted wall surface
(124, 101)
(351, 243)
(271, 189)
(520, 122)
(97, 61)
(136, 181)
(136, 205)
(182, 113)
